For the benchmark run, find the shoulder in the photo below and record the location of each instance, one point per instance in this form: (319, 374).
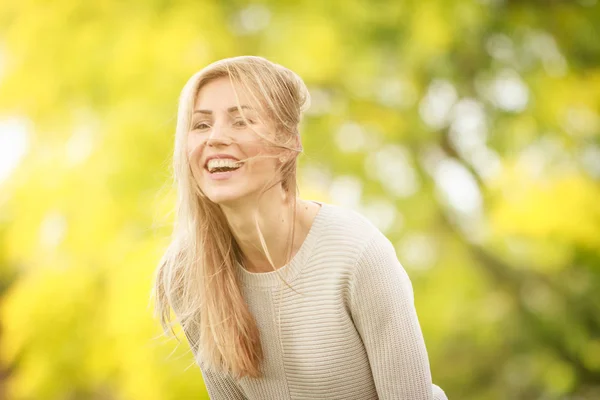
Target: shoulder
(379, 281)
(344, 224)
(376, 267)
(355, 250)
(350, 234)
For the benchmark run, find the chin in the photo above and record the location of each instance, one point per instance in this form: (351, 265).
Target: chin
(227, 197)
(224, 198)
(234, 193)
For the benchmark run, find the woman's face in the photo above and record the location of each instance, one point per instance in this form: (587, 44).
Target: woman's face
(218, 128)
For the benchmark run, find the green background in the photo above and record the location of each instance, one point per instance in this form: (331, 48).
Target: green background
(467, 131)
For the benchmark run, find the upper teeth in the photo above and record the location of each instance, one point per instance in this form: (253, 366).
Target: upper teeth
(222, 162)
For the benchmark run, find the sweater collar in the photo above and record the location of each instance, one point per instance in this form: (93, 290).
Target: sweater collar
(293, 268)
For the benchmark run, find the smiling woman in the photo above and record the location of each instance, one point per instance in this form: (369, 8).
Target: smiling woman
(217, 125)
(279, 297)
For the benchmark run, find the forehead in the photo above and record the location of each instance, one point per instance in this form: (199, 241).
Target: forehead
(219, 95)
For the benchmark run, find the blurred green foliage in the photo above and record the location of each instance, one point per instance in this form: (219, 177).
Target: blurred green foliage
(468, 131)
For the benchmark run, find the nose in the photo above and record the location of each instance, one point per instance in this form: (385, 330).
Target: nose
(218, 137)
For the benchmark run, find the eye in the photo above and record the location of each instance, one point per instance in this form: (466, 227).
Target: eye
(240, 122)
(200, 125)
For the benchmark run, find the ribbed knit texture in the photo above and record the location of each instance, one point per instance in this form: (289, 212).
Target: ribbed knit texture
(347, 328)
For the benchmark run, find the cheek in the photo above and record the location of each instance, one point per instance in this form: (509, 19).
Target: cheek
(262, 160)
(194, 153)
(194, 144)
(264, 167)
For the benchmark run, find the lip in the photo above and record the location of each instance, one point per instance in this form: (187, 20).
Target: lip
(220, 156)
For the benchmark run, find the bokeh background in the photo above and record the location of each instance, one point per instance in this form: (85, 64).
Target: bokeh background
(467, 131)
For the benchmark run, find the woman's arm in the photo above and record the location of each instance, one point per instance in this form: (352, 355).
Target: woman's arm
(221, 387)
(382, 307)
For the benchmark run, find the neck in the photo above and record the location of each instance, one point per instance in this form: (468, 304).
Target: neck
(275, 218)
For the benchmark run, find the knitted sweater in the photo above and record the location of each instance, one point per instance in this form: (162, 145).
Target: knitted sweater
(347, 328)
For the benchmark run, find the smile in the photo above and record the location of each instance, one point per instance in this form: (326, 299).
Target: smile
(224, 175)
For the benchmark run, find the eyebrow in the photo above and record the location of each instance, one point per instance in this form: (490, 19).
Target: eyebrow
(229, 110)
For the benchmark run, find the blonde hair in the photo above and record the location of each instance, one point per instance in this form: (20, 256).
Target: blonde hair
(196, 277)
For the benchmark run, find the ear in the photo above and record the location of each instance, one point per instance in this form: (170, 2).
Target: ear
(287, 154)
(297, 142)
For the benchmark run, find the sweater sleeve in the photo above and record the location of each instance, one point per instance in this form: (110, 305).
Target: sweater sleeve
(383, 311)
(221, 387)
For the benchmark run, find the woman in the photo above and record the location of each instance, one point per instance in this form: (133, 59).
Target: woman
(279, 297)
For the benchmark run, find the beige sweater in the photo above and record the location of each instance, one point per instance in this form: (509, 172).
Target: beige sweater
(348, 331)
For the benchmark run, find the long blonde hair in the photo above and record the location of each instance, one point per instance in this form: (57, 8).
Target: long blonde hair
(196, 277)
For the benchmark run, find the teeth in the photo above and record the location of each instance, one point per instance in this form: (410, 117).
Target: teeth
(220, 163)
